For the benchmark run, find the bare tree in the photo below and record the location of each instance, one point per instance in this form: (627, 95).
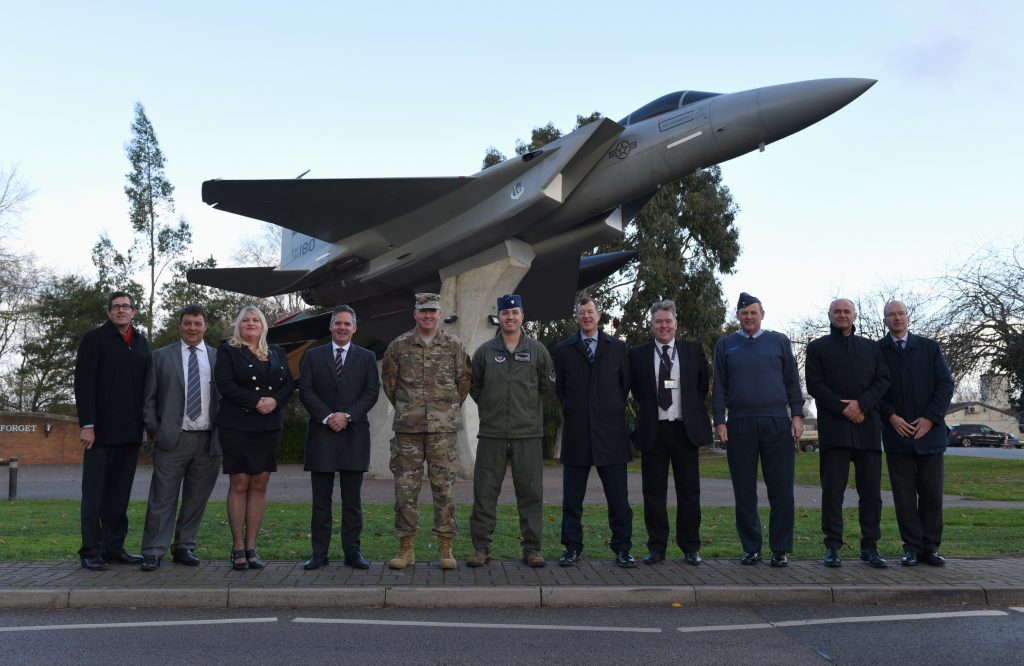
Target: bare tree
(14, 193)
(985, 314)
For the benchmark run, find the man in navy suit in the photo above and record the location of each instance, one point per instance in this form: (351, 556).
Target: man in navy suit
(670, 383)
(592, 383)
(338, 385)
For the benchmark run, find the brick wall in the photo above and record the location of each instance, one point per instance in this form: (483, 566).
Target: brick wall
(24, 435)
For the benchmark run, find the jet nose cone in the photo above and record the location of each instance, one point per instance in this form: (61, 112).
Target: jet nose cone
(790, 107)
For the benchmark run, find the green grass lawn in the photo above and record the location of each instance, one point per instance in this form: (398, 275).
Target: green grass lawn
(42, 530)
(973, 478)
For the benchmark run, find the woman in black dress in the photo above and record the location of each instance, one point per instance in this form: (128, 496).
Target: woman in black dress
(255, 383)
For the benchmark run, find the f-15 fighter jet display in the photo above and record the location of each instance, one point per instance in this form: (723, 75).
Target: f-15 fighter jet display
(374, 242)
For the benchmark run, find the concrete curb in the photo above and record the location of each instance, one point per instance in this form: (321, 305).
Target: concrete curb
(463, 597)
(513, 596)
(639, 595)
(318, 597)
(151, 598)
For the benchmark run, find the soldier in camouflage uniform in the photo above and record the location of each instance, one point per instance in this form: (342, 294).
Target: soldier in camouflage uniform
(426, 376)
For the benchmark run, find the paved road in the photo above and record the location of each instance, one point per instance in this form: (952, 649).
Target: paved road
(793, 635)
(291, 484)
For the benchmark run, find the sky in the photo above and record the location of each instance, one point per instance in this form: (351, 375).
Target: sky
(910, 179)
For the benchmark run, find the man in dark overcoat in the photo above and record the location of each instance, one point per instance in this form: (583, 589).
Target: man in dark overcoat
(592, 384)
(338, 386)
(914, 434)
(110, 375)
(847, 378)
(669, 380)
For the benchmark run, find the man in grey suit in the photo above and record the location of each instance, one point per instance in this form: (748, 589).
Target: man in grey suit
(179, 409)
(338, 385)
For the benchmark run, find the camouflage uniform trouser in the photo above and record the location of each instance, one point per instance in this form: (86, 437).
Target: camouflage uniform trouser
(408, 453)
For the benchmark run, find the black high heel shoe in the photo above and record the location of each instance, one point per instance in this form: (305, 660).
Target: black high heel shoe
(254, 560)
(235, 564)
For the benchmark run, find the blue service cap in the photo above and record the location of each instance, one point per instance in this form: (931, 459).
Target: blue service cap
(509, 301)
(746, 300)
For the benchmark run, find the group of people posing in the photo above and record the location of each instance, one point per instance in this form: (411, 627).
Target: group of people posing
(211, 410)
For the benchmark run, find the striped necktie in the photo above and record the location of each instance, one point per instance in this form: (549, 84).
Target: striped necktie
(338, 362)
(588, 342)
(193, 392)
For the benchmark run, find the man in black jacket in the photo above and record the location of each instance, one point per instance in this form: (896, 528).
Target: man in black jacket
(914, 434)
(670, 384)
(592, 383)
(110, 375)
(847, 377)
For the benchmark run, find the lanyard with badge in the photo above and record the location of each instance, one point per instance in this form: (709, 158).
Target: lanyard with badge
(667, 363)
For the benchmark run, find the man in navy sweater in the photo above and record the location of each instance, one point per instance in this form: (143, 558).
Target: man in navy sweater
(756, 380)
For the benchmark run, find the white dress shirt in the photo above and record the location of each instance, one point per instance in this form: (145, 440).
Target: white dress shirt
(203, 422)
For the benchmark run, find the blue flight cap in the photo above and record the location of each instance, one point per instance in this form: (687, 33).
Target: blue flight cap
(746, 300)
(509, 301)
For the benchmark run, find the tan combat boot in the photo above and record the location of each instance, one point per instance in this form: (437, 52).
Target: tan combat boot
(444, 549)
(479, 558)
(406, 553)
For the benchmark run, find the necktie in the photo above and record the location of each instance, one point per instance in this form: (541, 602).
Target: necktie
(664, 374)
(193, 392)
(338, 362)
(901, 344)
(587, 342)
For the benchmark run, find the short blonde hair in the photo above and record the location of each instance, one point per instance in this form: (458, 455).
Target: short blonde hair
(236, 339)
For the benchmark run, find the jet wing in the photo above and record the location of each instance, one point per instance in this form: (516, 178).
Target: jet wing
(328, 209)
(259, 281)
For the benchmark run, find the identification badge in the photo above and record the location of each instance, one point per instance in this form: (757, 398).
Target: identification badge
(499, 357)
(522, 357)
(671, 384)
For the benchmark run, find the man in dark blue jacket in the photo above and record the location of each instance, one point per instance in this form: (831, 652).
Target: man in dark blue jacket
(592, 382)
(914, 434)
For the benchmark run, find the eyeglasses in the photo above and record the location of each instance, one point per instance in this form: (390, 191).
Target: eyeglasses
(120, 306)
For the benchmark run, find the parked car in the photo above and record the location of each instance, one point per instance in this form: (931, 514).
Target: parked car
(1013, 442)
(975, 434)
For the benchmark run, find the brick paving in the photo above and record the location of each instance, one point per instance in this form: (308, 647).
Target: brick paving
(978, 572)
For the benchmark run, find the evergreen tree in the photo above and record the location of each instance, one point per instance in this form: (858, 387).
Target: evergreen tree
(150, 203)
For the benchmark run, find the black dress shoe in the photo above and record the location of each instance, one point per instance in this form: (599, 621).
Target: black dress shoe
(356, 560)
(832, 558)
(752, 557)
(94, 563)
(694, 558)
(779, 560)
(624, 559)
(934, 559)
(909, 558)
(150, 563)
(185, 556)
(871, 556)
(124, 557)
(569, 558)
(653, 557)
(315, 562)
